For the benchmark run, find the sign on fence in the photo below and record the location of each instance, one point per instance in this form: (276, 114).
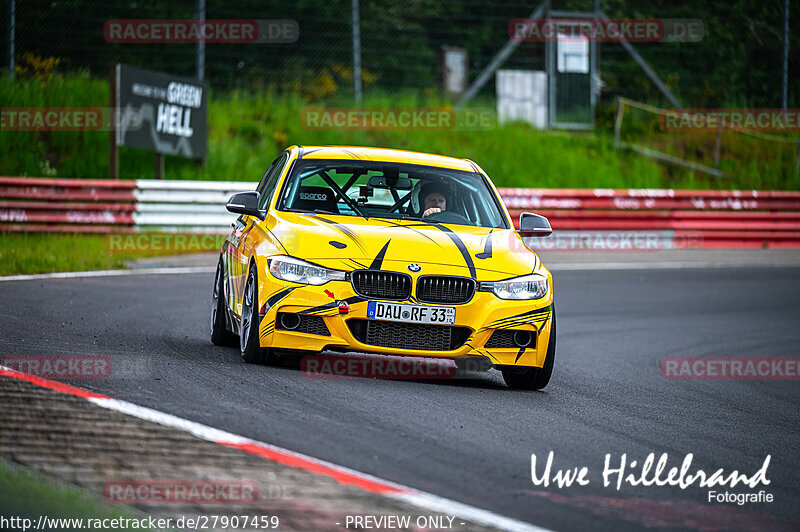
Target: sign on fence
(172, 111)
(522, 95)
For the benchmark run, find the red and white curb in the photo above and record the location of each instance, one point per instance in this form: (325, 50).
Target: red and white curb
(286, 457)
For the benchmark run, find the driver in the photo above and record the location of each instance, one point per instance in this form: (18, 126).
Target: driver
(433, 199)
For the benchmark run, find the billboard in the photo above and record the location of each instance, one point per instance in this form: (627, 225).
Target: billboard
(171, 112)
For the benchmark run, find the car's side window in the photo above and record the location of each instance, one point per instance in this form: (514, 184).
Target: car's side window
(270, 179)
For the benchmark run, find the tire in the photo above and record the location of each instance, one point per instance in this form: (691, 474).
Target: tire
(534, 378)
(249, 342)
(220, 335)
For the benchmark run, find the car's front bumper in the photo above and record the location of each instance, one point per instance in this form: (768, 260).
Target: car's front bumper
(476, 321)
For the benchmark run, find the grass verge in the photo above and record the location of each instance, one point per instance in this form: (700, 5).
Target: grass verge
(28, 253)
(27, 496)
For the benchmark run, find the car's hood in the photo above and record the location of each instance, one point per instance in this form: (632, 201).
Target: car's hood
(381, 242)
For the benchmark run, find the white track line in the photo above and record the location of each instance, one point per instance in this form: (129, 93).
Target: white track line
(108, 273)
(420, 499)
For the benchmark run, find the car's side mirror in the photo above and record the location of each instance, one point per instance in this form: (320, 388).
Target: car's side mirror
(531, 224)
(245, 203)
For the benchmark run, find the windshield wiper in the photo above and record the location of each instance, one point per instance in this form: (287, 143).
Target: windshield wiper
(323, 211)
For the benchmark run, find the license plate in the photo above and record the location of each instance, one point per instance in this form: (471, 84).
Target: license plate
(379, 310)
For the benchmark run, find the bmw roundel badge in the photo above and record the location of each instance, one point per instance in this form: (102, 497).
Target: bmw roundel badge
(414, 268)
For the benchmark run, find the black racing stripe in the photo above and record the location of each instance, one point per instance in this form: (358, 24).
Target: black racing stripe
(527, 314)
(273, 299)
(487, 248)
(519, 354)
(538, 323)
(334, 304)
(326, 306)
(411, 228)
(508, 324)
(483, 352)
(344, 230)
(461, 247)
(516, 323)
(354, 155)
(492, 356)
(321, 312)
(378, 260)
(358, 264)
(526, 317)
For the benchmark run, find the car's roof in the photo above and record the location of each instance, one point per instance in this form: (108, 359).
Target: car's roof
(384, 155)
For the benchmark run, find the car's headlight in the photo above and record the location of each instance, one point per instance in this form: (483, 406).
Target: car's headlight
(299, 271)
(532, 286)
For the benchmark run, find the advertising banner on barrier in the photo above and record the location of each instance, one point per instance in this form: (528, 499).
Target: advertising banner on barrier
(172, 112)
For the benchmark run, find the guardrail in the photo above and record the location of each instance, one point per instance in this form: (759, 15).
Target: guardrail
(680, 218)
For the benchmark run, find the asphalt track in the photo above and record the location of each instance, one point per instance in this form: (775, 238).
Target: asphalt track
(471, 439)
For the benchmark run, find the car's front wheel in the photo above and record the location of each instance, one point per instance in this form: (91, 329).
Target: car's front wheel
(220, 335)
(249, 342)
(534, 378)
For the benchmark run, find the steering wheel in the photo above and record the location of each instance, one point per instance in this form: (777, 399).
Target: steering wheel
(448, 217)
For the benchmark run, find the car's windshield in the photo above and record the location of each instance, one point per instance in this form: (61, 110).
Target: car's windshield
(391, 190)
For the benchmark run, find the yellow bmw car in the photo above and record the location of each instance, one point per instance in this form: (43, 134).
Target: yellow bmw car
(384, 251)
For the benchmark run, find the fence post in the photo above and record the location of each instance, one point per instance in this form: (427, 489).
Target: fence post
(201, 43)
(785, 80)
(158, 168)
(618, 122)
(356, 53)
(12, 15)
(116, 120)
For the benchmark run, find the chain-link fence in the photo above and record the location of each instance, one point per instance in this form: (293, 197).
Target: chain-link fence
(737, 62)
